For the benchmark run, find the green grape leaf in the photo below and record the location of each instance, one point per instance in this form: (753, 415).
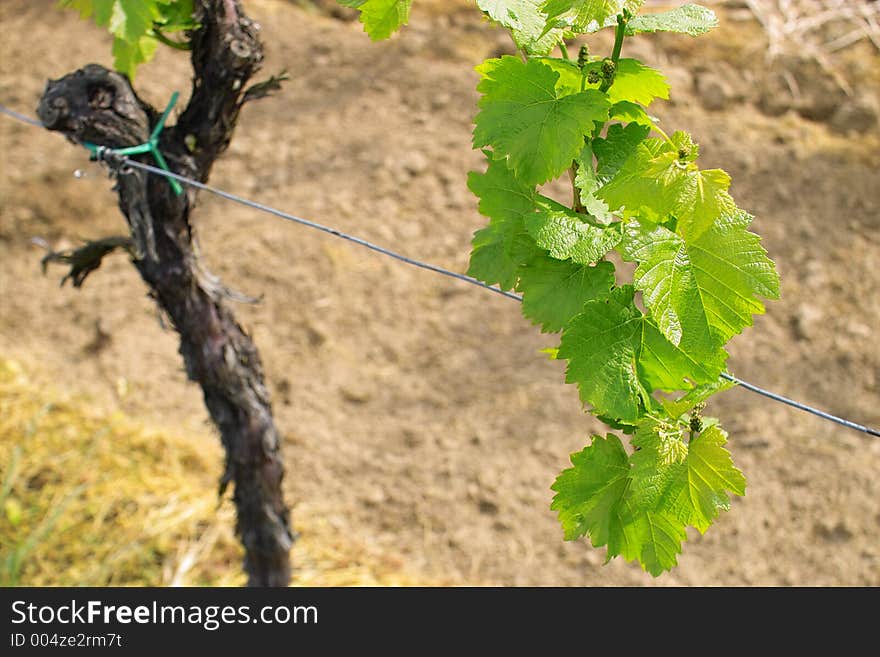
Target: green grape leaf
(131, 19)
(587, 15)
(666, 366)
(616, 148)
(656, 182)
(659, 536)
(569, 81)
(625, 427)
(592, 499)
(688, 149)
(629, 112)
(524, 118)
(676, 408)
(504, 245)
(176, 15)
(616, 356)
(87, 7)
(701, 198)
(634, 82)
(127, 20)
(660, 450)
(601, 345)
(589, 496)
(637, 188)
(699, 491)
(587, 182)
(381, 18)
(128, 55)
(131, 24)
(554, 290)
(526, 22)
(687, 19)
(102, 9)
(701, 291)
(565, 234)
(632, 186)
(692, 485)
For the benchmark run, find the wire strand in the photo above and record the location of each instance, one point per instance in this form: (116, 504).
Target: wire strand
(423, 265)
(799, 405)
(311, 224)
(20, 117)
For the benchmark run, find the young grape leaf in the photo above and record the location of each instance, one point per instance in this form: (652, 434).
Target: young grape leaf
(701, 291)
(676, 408)
(131, 19)
(616, 148)
(176, 15)
(592, 498)
(635, 82)
(616, 356)
(504, 245)
(589, 495)
(659, 536)
(85, 8)
(381, 18)
(102, 10)
(660, 180)
(565, 234)
(635, 186)
(699, 491)
(587, 182)
(629, 112)
(587, 15)
(601, 345)
(128, 55)
(693, 486)
(660, 452)
(688, 149)
(524, 118)
(700, 199)
(131, 23)
(554, 290)
(687, 19)
(666, 366)
(526, 22)
(569, 81)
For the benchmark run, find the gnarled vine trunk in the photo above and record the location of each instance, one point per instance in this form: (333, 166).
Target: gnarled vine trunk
(99, 106)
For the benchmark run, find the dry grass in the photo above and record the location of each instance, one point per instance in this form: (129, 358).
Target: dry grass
(823, 26)
(90, 497)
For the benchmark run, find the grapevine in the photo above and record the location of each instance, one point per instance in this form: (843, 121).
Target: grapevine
(646, 354)
(99, 109)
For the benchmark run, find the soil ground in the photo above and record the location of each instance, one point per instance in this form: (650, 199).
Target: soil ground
(420, 419)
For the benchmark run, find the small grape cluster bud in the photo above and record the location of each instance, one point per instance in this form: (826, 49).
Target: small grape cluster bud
(592, 76)
(665, 428)
(583, 56)
(608, 68)
(696, 422)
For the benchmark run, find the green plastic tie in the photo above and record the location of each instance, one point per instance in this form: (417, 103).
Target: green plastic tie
(150, 146)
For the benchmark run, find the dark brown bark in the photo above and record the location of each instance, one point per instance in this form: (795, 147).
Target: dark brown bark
(99, 106)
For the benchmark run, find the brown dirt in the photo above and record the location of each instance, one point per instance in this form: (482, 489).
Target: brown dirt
(420, 418)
